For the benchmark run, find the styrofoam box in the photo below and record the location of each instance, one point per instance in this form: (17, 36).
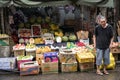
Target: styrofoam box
(27, 68)
(85, 41)
(8, 63)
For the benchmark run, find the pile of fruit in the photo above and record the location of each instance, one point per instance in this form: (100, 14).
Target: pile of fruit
(19, 47)
(43, 49)
(3, 35)
(39, 41)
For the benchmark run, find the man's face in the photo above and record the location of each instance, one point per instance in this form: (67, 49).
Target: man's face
(103, 23)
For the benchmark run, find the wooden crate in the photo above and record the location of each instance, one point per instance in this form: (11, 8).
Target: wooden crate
(69, 67)
(33, 53)
(49, 67)
(19, 52)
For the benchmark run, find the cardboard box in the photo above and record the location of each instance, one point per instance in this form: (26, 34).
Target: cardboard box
(67, 56)
(27, 68)
(33, 53)
(51, 57)
(20, 52)
(49, 67)
(115, 50)
(8, 63)
(86, 66)
(69, 67)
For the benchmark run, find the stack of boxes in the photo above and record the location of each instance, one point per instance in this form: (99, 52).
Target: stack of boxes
(68, 61)
(85, 60)
(50, 63)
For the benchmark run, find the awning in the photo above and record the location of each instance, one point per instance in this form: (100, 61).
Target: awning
(43, 3)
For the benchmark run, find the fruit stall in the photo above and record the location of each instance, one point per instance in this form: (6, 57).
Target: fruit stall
(51, 39)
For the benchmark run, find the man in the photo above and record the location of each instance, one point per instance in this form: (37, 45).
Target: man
(103, 38)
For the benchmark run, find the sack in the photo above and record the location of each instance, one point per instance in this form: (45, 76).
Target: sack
(82, 34)
(112, 63)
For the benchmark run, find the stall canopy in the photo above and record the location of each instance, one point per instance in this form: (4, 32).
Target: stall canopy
(43, 3)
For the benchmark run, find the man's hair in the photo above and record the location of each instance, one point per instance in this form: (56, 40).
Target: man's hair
(102, 18)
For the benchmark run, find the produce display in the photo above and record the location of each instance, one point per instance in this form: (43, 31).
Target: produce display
(25, 57)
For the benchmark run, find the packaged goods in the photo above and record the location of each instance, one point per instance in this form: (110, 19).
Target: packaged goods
(27, 68)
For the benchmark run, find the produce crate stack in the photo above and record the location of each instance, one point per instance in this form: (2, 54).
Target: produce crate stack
(85, 60)
(40, 50)
(50, 63)
(67, 60)
(22, 59)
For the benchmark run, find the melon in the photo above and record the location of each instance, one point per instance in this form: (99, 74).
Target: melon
(64, 38)
(72, 37)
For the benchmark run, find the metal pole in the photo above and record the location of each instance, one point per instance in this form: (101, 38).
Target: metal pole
(2, 20)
